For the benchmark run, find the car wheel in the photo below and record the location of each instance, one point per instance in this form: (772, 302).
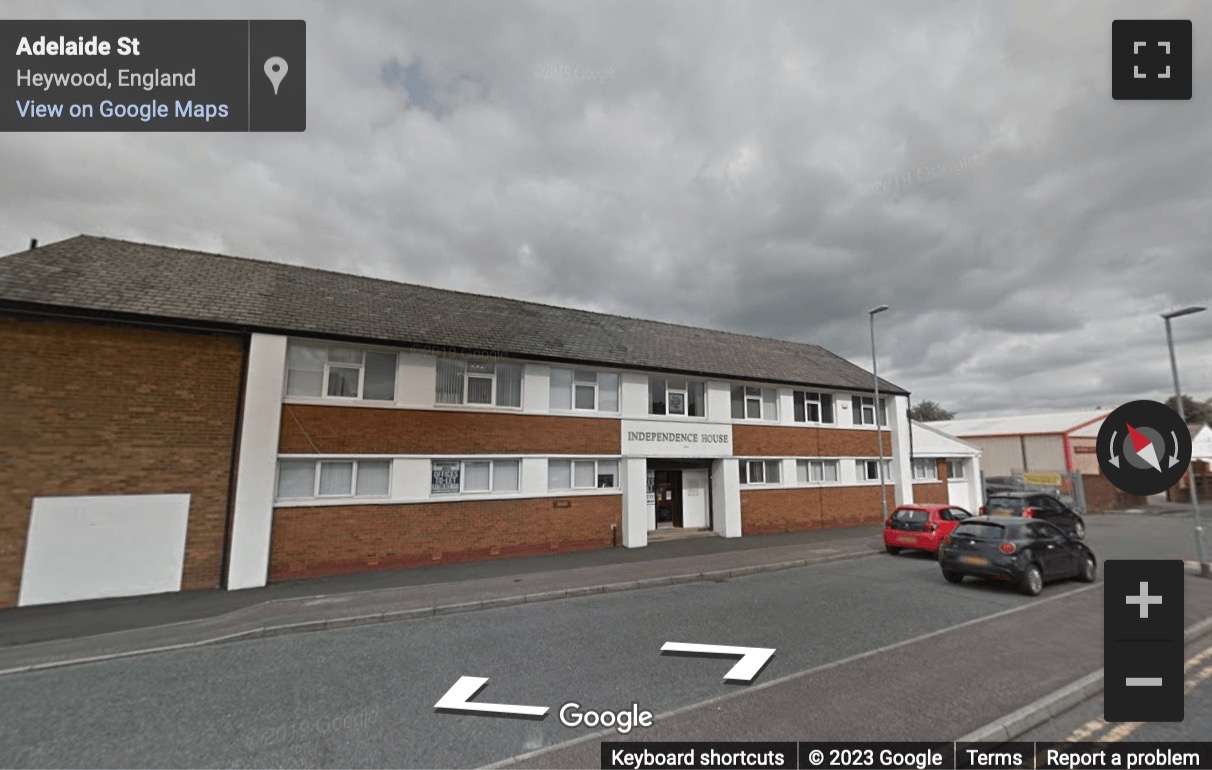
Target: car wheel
(1033, 581)
(952, 577)
(892, 549)
(1079, 529)
(1089, 570)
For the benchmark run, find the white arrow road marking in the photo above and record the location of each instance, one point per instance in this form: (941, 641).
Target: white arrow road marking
(1114, 460)
(1174, 457)
(459, 697)
(751, 662)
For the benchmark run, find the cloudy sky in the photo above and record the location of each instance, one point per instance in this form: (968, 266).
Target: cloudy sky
(773, 168)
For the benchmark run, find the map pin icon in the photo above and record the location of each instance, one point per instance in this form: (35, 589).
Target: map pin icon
(275, 70)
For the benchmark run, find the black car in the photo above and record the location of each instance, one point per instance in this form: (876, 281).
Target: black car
(1033, 505)
(1027, 552)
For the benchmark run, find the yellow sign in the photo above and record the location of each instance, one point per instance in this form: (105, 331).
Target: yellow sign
(1047, 478)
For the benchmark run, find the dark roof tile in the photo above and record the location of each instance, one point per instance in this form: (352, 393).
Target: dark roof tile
(113, 276)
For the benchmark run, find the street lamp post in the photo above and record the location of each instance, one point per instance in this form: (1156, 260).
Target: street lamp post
(879, 428)
(1204, 568)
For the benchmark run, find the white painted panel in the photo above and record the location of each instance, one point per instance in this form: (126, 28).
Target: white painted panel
(411, 478)
(416, 382)
(786, 407)
(902, 466)
(633, 394)
(257, 473)
(536, 389)
(719, 401)
(633, 474)
(694, 498)
(726, 497)
(96, 547)
(534, 476)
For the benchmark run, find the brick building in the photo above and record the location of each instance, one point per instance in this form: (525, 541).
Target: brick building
(181, 420)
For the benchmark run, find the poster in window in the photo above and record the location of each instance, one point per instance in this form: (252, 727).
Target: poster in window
(677, 403)
(651, 487)
(445, 476)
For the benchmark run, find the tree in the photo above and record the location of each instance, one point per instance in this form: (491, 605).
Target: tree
(929, 411)
(1196, 412)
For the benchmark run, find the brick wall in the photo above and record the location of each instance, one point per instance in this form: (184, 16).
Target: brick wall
(93, 409)
(328, 540)
(351, 430)
(795, 510)
(795, 441)
(1102, 495)
(931, 493)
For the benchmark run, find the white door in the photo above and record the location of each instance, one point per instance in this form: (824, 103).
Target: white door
(957, 494)
(694, 498)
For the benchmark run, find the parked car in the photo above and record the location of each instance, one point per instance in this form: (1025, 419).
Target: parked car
(1024, 551)
(921, 527)
(1033, 505)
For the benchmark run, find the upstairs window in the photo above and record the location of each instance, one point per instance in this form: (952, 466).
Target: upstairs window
(864, 410)
(479, 382)
(750, 403)
(582, 390)
(813, 407)
(316, 371)
(683, 398)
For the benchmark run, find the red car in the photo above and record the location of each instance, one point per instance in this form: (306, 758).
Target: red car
(921, 527)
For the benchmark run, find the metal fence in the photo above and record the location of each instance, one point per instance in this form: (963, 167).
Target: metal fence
(1067, 487)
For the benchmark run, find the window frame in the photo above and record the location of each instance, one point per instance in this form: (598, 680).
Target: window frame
(692, 388)
(317, 464)
(930, 463)
(814, 464)
(952, 466)
(574, 384)
(329, 365)
(492, 476)
(859, 406)
(746, 474)
(466, 376)
(802, 399)
(572, 473)
(863, 477)
(747, 397)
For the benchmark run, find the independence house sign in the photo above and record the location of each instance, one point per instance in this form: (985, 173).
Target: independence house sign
(651, 438)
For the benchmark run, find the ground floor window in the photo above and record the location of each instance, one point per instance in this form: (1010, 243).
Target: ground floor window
(304, 479)
(816, 471)
(760, 471)
(925, 469)
(955, 469)
(582, 474)
(869, 470)
(455, 476)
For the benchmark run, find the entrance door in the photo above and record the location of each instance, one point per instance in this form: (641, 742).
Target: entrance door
(694, 498)
(668, 485)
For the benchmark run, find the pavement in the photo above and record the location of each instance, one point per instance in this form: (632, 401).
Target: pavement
(48, 636)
